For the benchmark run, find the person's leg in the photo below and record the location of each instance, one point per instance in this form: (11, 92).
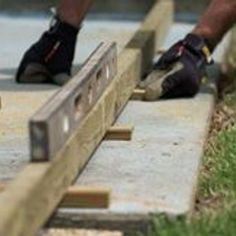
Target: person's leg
(50, 58)
(73, 11)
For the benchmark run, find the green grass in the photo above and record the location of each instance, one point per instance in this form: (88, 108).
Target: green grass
(215, 212)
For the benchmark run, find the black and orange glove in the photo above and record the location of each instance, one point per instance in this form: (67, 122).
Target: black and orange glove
(49, 60)
(179, 71)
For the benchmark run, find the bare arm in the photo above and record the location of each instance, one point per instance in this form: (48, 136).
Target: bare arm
(218, 19)
(73, 11)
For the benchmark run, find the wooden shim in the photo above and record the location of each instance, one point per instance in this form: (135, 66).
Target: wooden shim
(85, 197)
(82, 197)
(58, 119)
(119, 132)
(31, 198)
(138, 94)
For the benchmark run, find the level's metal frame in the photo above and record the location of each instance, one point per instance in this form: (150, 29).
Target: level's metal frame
(56, 121)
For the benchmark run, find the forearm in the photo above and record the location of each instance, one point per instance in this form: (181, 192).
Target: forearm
(218, 19)
(73, 11)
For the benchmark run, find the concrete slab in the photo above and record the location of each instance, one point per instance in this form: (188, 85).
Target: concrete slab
(154, 173)
(157, 171)
(19, 102)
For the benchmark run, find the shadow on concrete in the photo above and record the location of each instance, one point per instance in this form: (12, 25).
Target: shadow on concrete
(8, 83)
(8, 71)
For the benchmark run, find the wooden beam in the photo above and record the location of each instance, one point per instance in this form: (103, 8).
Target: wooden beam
(85, 197)
(31, 198)
(119, 132)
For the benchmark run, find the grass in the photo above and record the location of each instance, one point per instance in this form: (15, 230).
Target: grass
(215, 212)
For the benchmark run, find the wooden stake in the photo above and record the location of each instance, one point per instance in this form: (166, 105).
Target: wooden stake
(86, 197)
(119, 132)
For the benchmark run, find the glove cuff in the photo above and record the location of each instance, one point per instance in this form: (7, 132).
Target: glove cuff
(63, 30)
(198, 44)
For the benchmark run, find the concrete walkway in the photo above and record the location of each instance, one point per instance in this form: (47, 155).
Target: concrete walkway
(156, 172)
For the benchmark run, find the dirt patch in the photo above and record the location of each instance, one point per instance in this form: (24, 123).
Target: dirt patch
(223, 119)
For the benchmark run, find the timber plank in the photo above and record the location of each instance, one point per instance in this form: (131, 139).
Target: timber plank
(32, 197)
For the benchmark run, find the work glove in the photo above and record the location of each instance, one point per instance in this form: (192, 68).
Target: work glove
(179, 71)
(49, 60)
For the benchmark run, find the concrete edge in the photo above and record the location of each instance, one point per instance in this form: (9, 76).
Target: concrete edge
(129, 223)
